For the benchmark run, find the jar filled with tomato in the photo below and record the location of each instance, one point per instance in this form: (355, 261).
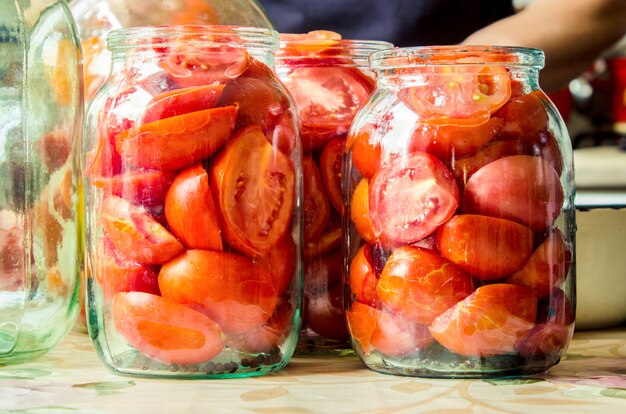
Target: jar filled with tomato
(330, 81)
(193, 194)
(460, 216)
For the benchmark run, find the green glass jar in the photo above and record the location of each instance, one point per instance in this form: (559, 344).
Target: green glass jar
(460, 216)
(40, 225)
(193, 205)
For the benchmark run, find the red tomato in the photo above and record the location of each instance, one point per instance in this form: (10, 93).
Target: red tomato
(410, 197)
(116, 273)
(359, 211)
(188, 65)
(362, 277)
(449, 142)
(556, 309)
(545, 269)
(328, 241)
(254, 187)
(488, 248)
(420, 284)
(280, 263)
(488, 322)
(521, 188)
(525, 117)
(231, 289)
(459, 95)
(190, 210)
(136, 233)
(315, 207)
(179, 141)
(330, 167)
(142, 188)
(324, 314)
(388, 334)
(328, 99)
(164, 330)
(545, 341)
(366, 152)
(181, 101)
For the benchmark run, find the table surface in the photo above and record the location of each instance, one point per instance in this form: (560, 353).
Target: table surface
(590, 379)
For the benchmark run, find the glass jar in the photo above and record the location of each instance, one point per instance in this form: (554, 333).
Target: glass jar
(40, 123)
(96, 18)
(459, 214)
(330, 81)
(193, 205)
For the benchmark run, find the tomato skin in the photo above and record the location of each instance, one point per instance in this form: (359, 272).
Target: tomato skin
(164, 330)
(254, 190)
(525, 117)
(181, 101)
(330, 167)
(488, 248)
(135, 233)
(280, 263)
(420, 284)
(410, 197)
(190, 210)
(545, 269)
(143, 188)
(315, 206)
(389, 334)
(231, 289)
(325, 315)
(521, 188)
(489, 322)
(366, 152)
(177, 142)
(359, 210)
(362, 277)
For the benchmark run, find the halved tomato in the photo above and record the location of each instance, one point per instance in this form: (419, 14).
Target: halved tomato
(489, 322)
(330, 167)
(366, 152)
(165, 330)
(181, 101)
(136, 233)
(359, 211)
(410, 197)
(328, 99)
(525, 117)
(488, 248)
(315, 43)
(362, 277)
(459, 95)
(177, 142)
(388, 334)
(420, 284)
(190, 210)
(315, 207)
(280, 263)
(138, 187)
(232, 289)
(254, 187)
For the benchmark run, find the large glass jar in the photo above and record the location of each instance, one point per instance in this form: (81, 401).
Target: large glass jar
(193, 205)
(330, 81)
(460, 216)
(40, 122)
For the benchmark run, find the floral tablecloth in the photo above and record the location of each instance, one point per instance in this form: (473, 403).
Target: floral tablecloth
(71, 379)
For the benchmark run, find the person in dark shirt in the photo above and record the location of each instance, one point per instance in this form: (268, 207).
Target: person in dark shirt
(572, 33)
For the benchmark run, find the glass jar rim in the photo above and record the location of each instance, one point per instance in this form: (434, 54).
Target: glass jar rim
(126, 38)
(411, 57)
(355, 47)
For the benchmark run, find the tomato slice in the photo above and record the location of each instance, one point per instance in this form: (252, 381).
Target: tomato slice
(330, 167)
(190, 210)
(328, 99)
(142, 188)
(316, 43)
(421, 285)
(489, 322)
(231, 289)
(181, 101)
(488, 248)
(410, 197)
(388, 334)
(366, 152)
(362, 277)
(188, 65)
(459, 95)
(359, 210)
(177, 142)
(254, 187)
(136, 233)
(315, 207)
(164, 330)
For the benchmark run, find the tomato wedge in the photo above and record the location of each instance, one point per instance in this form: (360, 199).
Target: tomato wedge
(410, 197)
(142, 188)
(315, 207)
(181, 101)
(164, 330)
(177, 142)
(190, 210)
(362, 277)
(254, 187)
(359, 210)
(330, 167)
